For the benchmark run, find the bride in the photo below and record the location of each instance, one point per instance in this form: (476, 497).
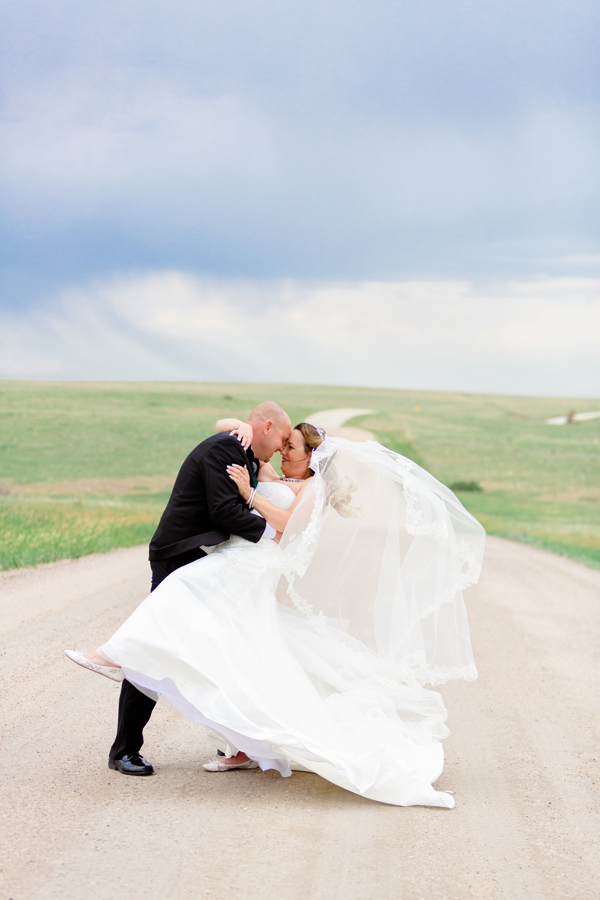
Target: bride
(312, 650)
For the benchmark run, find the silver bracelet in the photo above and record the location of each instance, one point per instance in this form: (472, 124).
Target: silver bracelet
(252, 498)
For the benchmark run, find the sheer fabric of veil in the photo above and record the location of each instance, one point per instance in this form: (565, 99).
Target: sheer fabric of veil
(386, 581)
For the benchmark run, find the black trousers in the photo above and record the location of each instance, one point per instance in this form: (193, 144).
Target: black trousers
(135, 708)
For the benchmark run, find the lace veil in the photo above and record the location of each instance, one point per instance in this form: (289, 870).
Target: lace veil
(383, 574)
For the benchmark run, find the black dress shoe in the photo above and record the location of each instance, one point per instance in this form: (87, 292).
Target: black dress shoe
(131, 764)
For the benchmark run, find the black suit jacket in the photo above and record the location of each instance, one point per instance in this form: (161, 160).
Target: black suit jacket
(205, 506)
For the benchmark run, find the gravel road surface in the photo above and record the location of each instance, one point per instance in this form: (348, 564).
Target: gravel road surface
(523, 761)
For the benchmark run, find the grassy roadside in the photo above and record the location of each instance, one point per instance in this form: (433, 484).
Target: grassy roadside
(540, 483)
(44, 529)
(86, 467)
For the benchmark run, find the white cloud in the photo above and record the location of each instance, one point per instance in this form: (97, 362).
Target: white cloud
(532, 337)
(18, 363)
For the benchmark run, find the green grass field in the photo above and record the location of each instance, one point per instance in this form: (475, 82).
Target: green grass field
(87, 467)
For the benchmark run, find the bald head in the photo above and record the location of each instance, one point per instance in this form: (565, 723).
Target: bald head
(271, 426)
(269, 411)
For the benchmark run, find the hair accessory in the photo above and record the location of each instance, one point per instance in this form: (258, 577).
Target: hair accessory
(320, 431)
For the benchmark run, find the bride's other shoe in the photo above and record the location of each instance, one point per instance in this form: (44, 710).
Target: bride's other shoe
(216, 765)
(113, 672)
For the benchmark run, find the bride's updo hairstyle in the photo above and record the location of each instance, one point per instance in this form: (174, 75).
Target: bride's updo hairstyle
(340, 489)
(311, 435)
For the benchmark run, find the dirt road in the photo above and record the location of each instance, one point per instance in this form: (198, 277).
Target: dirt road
(523, 761)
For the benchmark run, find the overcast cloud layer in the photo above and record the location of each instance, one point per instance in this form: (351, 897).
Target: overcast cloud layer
(418, 145)
(528, 338)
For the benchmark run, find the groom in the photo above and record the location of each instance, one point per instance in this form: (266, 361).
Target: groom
(205, 508)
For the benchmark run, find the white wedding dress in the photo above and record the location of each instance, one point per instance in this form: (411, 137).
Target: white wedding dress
(214, 641)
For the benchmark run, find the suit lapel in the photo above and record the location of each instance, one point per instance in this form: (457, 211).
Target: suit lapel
(252, 465)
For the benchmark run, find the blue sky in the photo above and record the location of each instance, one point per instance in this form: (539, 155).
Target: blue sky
(266, 152)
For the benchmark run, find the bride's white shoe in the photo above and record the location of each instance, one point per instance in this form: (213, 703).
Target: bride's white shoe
(215, 765)
(113, 672)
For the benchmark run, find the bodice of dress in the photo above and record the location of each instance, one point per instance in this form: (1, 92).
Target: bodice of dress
(277, 493)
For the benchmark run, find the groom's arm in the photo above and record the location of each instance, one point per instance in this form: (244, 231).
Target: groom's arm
(224, 507)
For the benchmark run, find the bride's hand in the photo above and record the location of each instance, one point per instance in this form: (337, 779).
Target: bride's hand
(240, 475)
(244, 434)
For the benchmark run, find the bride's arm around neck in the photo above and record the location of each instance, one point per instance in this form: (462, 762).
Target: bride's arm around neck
(241, 430)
